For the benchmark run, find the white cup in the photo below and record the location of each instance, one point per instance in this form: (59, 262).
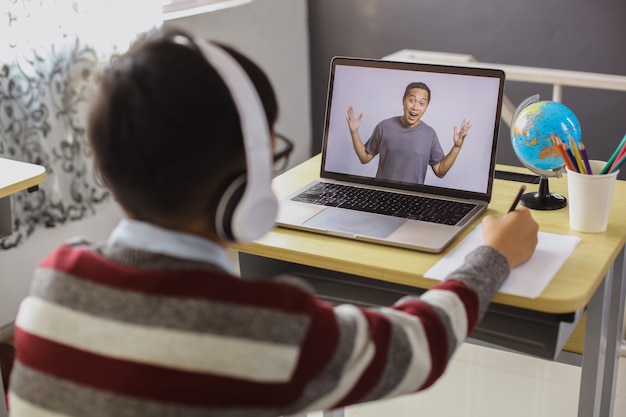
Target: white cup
(590, 198)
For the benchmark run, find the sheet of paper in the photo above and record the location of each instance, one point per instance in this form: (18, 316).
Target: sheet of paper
(526, 280)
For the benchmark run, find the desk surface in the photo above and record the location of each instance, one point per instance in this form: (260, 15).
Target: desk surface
(17, 176)
(570, 290)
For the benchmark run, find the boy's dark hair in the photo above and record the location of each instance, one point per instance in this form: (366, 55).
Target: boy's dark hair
(413, 85)
(165, 131)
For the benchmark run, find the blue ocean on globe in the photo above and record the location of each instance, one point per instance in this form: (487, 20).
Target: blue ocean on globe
(531, 133)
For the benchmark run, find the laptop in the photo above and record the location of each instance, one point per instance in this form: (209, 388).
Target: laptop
(395, 198)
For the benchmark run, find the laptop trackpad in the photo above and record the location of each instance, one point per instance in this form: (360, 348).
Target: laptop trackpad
(355, 222)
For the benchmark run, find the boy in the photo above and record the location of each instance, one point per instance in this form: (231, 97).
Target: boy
(154, 322)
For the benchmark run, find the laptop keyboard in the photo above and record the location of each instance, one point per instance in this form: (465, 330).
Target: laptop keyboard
(413, 207)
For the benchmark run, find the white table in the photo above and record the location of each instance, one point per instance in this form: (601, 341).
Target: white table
(15, 176)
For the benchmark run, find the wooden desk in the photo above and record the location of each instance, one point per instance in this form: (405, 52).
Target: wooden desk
(15, 176)
(363, 273)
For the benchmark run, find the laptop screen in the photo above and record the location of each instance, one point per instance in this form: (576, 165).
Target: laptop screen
(419, 127)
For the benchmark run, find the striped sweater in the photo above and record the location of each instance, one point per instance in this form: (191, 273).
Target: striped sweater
(114, 331)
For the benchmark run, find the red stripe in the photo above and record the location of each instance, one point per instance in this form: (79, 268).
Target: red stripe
(90, 266)
(146, 381)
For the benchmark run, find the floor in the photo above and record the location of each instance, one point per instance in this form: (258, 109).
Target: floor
(485, 382)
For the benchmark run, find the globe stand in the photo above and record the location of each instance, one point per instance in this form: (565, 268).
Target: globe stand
(543, 199)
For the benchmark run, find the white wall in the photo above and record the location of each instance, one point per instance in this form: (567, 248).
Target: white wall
(274, 34)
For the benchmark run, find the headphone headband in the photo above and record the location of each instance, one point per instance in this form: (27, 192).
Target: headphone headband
(246, 216)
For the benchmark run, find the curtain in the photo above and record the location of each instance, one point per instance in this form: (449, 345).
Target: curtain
(51, 53)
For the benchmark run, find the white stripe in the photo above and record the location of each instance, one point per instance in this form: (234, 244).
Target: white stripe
(23, 408)
(360, 358)
(450, 302)
(198, 352)
(420, 365)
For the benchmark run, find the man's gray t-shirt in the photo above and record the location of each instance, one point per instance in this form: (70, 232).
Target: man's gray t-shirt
(405, 152)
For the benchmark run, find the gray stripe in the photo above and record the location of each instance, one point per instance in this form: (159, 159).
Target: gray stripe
(399, 356)
(170, 312)
(68, 398)
(329, 377)
(484, 271)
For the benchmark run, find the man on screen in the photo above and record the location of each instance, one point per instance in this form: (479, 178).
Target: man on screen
(405, 143)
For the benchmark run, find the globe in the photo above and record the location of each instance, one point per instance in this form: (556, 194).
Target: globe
(532, 127)
(531, 132)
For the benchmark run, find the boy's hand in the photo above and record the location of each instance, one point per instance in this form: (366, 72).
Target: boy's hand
(514, 235)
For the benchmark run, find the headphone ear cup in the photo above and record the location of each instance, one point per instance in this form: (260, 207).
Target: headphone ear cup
(226, 207)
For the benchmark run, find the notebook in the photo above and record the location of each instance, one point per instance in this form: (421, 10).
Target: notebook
(389, 199)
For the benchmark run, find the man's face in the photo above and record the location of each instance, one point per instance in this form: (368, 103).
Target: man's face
(415, 105)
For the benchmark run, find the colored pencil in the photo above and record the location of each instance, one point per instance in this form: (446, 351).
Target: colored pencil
(561, 150)
(619, 157)
(584, 156)
(608, 165)
(577, 157)
(617, 166)
(571, 156)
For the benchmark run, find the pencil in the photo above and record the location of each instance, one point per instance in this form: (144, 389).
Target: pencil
(577, 158)
(517, 198)
(571, 156)
(557, 144)
(617, 166)
(618, 159)
(614, 156)
(585, 157)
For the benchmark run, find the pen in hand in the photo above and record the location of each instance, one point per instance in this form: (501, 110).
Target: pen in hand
(517, 198)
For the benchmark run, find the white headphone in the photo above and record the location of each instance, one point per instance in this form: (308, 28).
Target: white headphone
(247, 210)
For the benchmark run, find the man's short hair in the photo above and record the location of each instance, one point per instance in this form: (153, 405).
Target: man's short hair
(413, 85)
